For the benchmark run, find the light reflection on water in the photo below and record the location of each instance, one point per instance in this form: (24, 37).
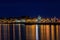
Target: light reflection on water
(32, 32)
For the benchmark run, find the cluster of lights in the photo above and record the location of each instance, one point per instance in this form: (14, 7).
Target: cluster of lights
(32, 20)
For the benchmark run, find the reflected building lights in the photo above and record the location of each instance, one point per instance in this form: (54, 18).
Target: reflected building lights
(20, 31)
(37, 38)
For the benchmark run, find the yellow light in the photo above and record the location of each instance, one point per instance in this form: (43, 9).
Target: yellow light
(56, 32)
(52, 32)
(42, 32)
(47, 32)
(33, 32)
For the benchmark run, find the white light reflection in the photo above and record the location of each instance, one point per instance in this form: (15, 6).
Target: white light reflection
(36, 32)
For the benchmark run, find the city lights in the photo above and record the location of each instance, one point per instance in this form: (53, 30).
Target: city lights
(17, 29)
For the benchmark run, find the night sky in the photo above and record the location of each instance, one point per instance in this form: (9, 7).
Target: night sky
(17, 8)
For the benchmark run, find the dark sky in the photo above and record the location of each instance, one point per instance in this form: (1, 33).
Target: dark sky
(16, 8)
